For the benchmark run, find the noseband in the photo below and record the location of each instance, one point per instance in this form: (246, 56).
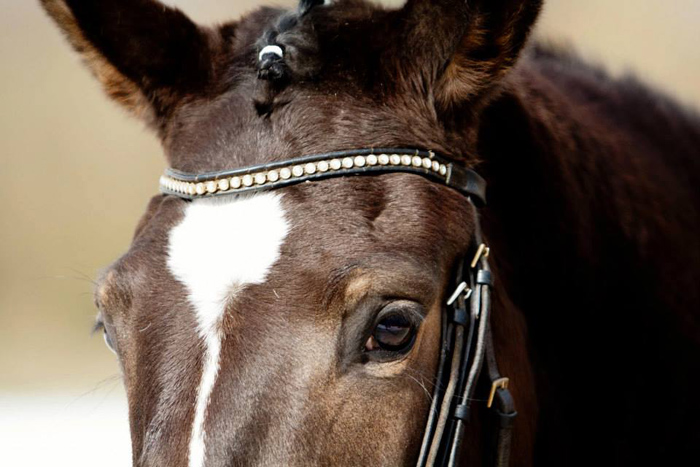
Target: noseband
(467, 345)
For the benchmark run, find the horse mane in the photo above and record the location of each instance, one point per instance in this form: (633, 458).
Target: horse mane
(566, 59)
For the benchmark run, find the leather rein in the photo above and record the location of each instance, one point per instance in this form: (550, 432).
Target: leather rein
(466, 341)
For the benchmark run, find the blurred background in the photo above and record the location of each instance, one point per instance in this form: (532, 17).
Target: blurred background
(77, 173)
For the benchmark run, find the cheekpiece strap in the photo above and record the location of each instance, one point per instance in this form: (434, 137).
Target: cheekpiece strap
(320, 166)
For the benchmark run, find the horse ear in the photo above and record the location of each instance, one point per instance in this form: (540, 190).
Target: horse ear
(462, 47)
(147, 56)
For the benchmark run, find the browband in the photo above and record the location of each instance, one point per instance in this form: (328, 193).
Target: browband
(320, 166)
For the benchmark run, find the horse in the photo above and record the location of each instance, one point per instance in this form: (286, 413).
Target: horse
(305, 324)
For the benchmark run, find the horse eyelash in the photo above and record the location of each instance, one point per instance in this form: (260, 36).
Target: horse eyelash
(99, 325)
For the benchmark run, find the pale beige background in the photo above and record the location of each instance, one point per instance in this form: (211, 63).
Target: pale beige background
(76, 174)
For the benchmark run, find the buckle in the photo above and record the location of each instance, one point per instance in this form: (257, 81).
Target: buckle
(482, 252)
(500, 383)
(462, 287)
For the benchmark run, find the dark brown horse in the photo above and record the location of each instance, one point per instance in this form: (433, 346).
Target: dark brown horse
(302, 326)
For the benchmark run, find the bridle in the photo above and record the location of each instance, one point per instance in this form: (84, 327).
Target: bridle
(467, 344)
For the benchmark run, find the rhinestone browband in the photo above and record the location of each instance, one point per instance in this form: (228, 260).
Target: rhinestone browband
(308, 168)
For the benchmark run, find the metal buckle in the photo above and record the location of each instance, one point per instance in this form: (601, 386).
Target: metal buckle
(482, 252)
(500, 383)
(462, 287)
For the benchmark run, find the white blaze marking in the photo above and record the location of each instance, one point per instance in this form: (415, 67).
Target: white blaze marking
(219, 247)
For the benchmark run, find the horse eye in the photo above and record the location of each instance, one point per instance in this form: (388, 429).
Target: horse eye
(108, 340)
(100, 325)
(394, 333)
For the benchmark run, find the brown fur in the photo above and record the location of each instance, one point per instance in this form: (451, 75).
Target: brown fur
(116, 85)
(592, 218)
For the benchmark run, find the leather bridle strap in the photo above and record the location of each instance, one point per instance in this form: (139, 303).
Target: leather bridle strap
(320, 166)
(445, 430)
(505, 408)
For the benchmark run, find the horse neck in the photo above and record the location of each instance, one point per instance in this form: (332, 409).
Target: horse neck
(578, 179)
(592, 223)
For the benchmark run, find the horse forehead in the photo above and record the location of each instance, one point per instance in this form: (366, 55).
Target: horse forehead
(221, 245)
(216, 244)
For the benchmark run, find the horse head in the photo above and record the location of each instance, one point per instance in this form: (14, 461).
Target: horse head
(301, 325)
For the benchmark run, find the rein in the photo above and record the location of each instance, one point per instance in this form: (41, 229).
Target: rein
(467, 345)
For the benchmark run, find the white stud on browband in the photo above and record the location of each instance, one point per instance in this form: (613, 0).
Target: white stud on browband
(271, 49)
(214, 185)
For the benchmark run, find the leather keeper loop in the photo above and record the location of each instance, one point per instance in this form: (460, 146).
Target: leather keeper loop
(461, 316)
(462, 412)
(484, 277)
